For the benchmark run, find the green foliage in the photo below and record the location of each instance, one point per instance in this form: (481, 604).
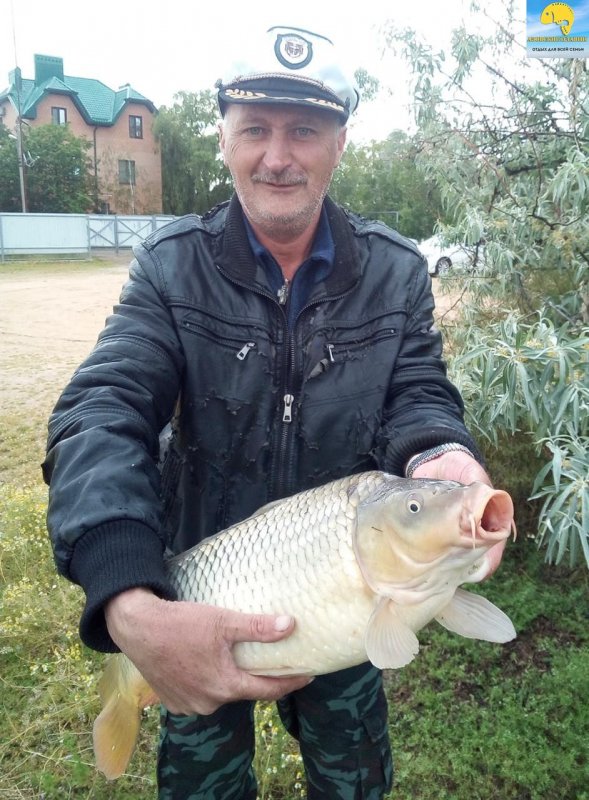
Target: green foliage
(9, 180)
(535, 377)
(368, 84)
(381, 181)
(505, 140)
(58, 178)
(194, 178)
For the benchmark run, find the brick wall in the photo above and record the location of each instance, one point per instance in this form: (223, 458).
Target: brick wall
(109, 145)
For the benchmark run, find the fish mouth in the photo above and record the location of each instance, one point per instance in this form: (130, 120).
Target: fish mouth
(487, 517)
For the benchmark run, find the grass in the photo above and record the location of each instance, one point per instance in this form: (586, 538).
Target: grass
(474, 720)
(468, 720)
(31, 265)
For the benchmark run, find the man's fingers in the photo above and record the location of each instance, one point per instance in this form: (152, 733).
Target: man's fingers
(494, 556)
(263, 688)
(238, 627)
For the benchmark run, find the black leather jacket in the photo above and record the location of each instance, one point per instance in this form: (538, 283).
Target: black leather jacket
(357, 384)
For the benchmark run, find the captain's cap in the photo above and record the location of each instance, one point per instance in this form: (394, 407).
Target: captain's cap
(290, 65)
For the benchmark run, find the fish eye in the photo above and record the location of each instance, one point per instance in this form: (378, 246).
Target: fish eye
(414, 504)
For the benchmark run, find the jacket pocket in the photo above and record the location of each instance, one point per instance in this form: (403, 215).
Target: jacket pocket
(339, 352)
(240, 347)
(375, 758)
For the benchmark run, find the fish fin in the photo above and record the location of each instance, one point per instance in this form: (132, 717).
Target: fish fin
(390, 643)
(124, 693)
(476, 617)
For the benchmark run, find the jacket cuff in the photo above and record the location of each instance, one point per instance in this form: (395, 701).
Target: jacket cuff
(400, 450)
(109, 560)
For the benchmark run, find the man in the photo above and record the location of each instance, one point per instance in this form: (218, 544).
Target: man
(293, 344)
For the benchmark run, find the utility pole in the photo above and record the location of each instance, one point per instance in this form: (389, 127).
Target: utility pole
(21, 163)
(19, 147)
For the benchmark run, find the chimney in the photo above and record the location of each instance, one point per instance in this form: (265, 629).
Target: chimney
(47, 67)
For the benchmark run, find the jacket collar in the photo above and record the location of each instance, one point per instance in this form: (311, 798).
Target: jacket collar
(238, 263)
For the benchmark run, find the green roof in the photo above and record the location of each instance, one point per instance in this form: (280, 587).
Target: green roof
(97, 104)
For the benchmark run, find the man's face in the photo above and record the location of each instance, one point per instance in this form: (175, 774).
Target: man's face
(281, 159)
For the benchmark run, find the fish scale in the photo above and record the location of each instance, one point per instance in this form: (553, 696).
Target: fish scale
(305, 582)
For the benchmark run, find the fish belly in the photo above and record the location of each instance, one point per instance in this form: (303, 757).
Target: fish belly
(417, 615)
(329, 634)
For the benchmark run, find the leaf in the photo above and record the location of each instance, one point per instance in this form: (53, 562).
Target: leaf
(556, 467)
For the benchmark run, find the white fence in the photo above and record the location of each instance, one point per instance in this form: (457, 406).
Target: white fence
(72, 234)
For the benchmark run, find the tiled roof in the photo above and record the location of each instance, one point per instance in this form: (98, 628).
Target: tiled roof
(98, 104)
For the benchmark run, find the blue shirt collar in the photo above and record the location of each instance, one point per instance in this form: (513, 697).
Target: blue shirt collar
(321, 257)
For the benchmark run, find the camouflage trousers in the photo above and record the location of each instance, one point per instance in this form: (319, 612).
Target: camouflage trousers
(340, 721)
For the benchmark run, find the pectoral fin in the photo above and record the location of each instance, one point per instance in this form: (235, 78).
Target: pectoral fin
(390, 643)
(475, 617)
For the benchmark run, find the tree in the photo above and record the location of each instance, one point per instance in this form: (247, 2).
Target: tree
(58, 171)
(9, 180)
(368, 84)
(194, 177)
(505, 139)
(381, 181)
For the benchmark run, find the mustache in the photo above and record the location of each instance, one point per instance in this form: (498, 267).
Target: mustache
(286, 178)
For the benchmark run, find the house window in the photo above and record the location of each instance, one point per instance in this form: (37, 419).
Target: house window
(58, 115)
(135, 127)
(127, 172)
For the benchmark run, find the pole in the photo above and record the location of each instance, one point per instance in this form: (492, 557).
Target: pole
(21, 165)
(18, 86)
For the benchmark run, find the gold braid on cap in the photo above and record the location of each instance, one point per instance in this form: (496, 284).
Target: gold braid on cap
(243, 94)
(247, 94)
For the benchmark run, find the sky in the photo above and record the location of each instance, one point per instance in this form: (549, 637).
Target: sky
(186, 45)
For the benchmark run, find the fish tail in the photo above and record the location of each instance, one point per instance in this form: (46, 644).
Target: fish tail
(124, 693)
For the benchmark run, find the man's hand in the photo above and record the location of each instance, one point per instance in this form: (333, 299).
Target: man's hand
(184, 650)
(453, 466)
(460, 466)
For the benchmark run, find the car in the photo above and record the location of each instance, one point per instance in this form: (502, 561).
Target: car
(441, 257)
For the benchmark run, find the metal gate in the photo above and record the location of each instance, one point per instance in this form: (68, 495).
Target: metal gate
(72, 234)
(121, 231)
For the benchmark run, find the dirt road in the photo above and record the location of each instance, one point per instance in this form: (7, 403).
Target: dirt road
(49, 319)
(50, 316)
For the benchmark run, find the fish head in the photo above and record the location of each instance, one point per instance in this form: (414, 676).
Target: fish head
(419, 527)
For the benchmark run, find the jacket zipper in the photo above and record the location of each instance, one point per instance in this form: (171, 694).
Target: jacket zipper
(242, 355)
(278, 479)
(378, 336)
(282, 479)
(333, 351)
(287, 401)
(284, 483)
(240, 348)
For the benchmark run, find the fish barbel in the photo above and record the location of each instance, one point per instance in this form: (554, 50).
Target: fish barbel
(362, 564)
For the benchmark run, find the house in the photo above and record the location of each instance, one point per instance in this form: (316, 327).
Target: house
(125, 156)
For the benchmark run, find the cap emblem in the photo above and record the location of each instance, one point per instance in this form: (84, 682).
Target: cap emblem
(293, 51)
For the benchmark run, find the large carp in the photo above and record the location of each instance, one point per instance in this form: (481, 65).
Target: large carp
(361, 563)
